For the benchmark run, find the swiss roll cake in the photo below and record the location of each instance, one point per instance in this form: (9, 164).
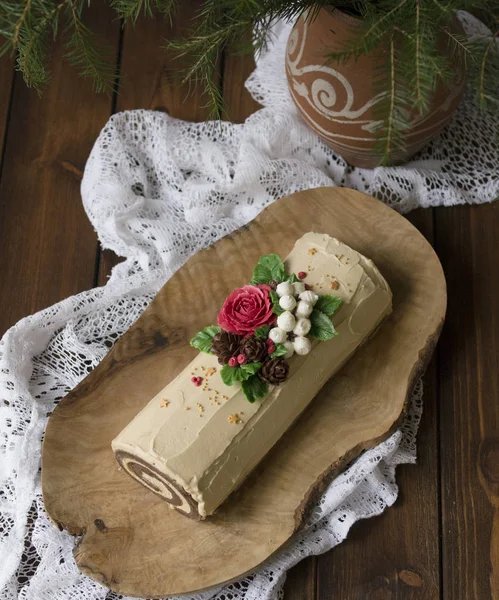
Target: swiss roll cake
(274, 344)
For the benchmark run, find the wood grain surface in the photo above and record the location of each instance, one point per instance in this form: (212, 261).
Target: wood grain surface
(469, 411)
(444, 512)
(6, 85)
(355, 410)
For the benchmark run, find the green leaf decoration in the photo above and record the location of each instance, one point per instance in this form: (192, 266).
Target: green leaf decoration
(276, 307)
(212, 330)
(254, 388)
(328, 304)
(280, 350)
(250, 369)
(231, 375)
(269, 268)
(293, 278)
(228, 374)
(322, 329)
(262, 332)
(203, 340)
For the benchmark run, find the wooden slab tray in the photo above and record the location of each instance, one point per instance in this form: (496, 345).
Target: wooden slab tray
(132, 542)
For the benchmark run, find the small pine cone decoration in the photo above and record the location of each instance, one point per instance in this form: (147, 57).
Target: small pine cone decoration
(273, 284)
(225, 345)
(274, 371)
(254, 349)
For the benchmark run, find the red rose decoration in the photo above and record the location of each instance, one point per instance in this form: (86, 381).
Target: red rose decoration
(246, 309)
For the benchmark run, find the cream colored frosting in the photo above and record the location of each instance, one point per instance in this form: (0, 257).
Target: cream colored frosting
(193, 441)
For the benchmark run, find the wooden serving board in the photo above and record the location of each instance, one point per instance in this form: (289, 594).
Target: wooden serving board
(131, 540)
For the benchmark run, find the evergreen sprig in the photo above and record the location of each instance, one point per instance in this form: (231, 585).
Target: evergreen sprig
(87, 53)
(28, 27)
(132, 9)
(408, 34)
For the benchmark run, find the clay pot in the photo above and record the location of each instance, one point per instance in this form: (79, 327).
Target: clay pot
(337, 100)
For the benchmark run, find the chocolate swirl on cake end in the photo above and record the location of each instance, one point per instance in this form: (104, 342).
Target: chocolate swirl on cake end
(159, 483)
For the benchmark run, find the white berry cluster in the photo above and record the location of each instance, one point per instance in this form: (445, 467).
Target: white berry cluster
(298, 304)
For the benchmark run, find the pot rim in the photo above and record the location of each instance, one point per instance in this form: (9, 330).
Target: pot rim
(337, 13)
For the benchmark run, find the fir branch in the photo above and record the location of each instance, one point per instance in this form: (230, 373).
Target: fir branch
(85, 52)
(391, 92)
(403, 32)
(32, 48)
(460, 47)
(423, 64)
(32, 58)
(458, 41)
(446, 10)
(375, 26)
(370, 33)
(482, 97)
(128, 9)
(15, 39)
(132, 9)
(215, 101)
(419, 95)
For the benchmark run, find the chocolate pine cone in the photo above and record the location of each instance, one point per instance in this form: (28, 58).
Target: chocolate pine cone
(274, 371)
(254, 349)
(225, 345)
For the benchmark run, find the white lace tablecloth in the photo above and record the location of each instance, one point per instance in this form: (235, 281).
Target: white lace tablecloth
(157, 190)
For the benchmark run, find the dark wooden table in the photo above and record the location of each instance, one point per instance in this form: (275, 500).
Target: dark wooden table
(441, 539)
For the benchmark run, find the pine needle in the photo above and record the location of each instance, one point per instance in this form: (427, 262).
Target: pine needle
(417, 65)
(482, 97)
(30, 39)
(87, 54)
(132, 9)
(377, 25)
(391, 112)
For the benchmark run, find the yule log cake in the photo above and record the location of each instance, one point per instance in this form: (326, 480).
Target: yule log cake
(278, 340)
